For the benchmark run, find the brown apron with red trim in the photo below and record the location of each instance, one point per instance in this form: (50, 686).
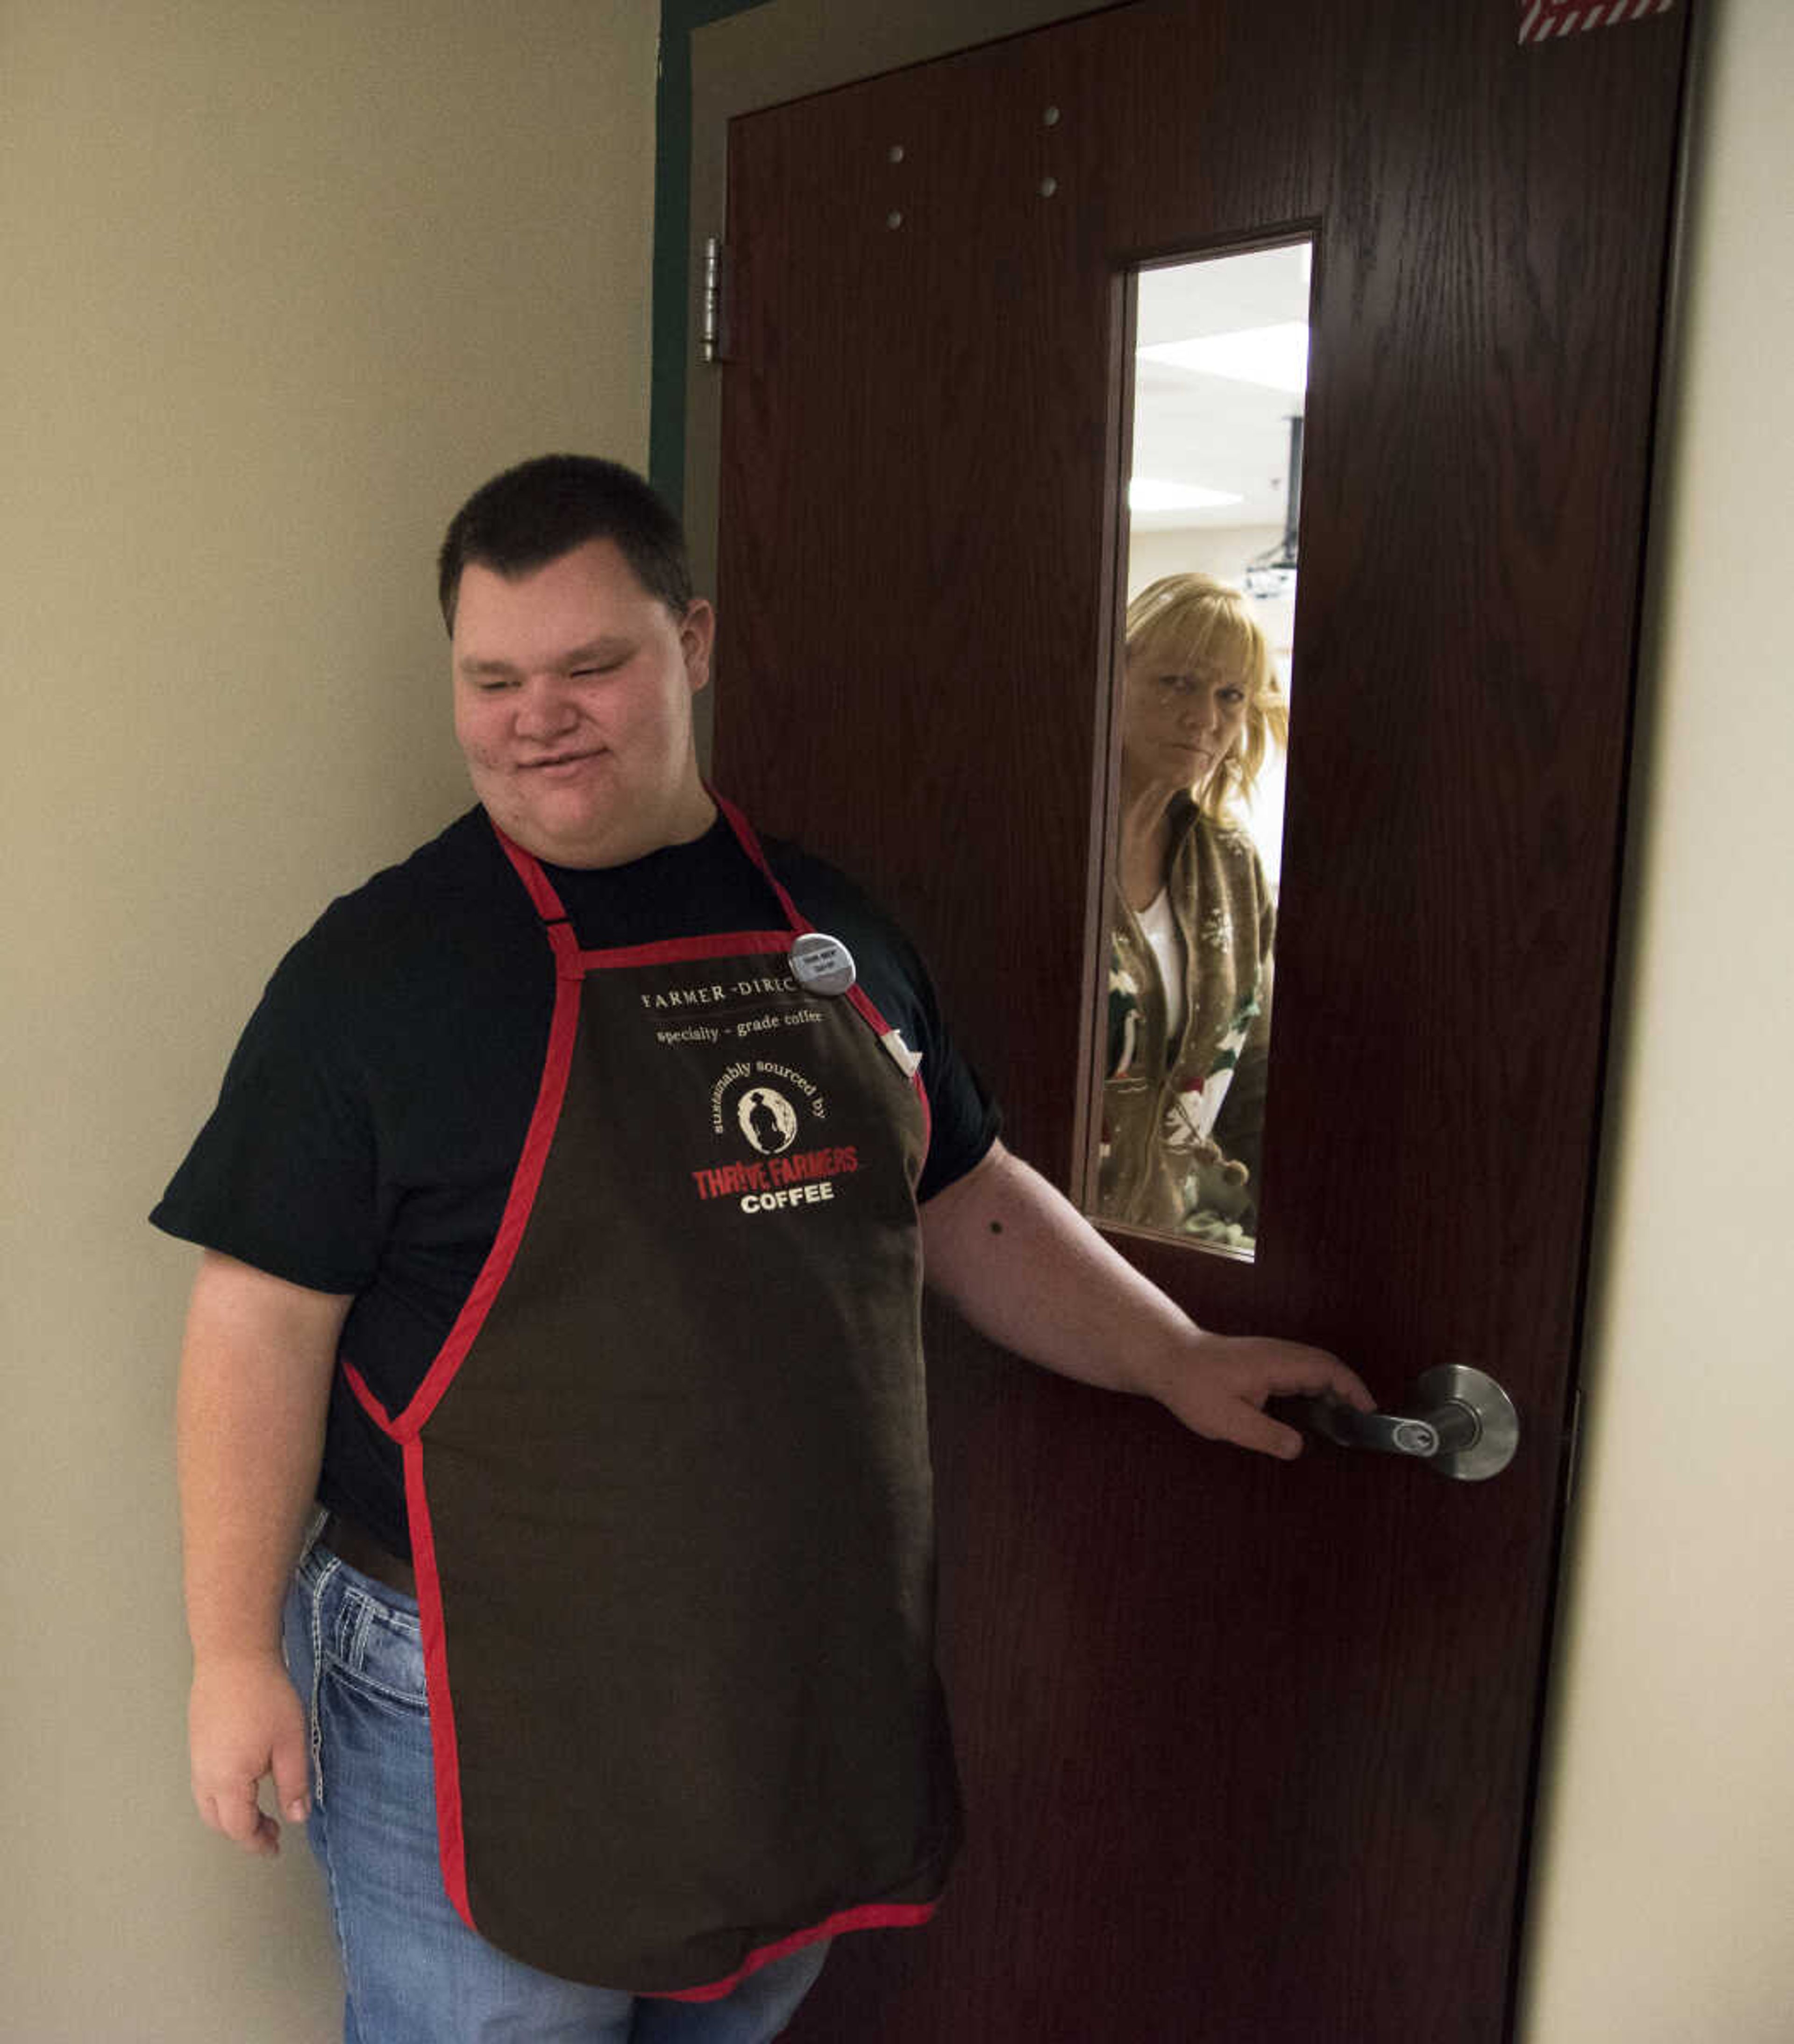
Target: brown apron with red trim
(667, 1485)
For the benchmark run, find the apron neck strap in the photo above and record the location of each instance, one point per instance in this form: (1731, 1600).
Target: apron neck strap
(745, 838)
(548, 904)
(528, 869)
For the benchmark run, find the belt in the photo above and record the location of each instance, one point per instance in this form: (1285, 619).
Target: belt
(364, 1554)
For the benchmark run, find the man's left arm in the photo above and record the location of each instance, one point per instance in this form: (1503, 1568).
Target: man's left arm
(1027, 1270)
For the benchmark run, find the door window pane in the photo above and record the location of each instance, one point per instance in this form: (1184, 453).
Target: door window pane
(1201, 735)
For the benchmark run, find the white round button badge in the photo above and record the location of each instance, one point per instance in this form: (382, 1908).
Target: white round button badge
(821, 964)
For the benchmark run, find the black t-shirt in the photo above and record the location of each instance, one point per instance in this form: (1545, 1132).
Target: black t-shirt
(371, 1116)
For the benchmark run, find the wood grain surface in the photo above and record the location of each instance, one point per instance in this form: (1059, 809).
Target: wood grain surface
(1248, 1750)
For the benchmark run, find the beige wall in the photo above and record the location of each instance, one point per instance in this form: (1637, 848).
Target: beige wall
(281, 283)
(1665, 1899)
(1226, 552)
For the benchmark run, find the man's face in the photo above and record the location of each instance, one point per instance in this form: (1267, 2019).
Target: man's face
(573, 690)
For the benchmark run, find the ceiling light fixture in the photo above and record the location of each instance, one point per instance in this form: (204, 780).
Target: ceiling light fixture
(1145, 494)
(1274, 356)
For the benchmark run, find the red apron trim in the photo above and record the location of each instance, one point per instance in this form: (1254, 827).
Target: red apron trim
(724, 944)
(868, 1917)
(863, 1002)
(444, 1750)
(369, 1404)
(571, 965)
(673, 950)
(558, 1062)
(566, 948)
(529, 871)
(749, 842)
(800, 923)
(548, 905)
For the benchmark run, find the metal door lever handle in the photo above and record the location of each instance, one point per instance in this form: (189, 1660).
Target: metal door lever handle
(1464, 1425)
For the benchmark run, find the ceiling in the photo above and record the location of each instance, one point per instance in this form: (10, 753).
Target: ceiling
(1211, 430)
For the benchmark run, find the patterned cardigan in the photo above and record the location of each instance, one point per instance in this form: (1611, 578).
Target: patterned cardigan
(1182, 1121)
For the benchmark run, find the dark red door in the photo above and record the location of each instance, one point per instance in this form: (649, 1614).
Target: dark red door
(1249, 1751)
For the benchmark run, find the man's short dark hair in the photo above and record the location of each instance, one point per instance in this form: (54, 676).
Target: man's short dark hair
(541, 509)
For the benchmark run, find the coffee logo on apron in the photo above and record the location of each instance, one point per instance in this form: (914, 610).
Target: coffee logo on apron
(768, 1120)
(771, 1121)
(765, 1105)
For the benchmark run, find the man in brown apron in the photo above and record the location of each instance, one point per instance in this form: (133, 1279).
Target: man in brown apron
(566, 1208)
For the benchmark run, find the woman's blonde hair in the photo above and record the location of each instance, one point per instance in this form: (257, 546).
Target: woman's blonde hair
(1182, 623)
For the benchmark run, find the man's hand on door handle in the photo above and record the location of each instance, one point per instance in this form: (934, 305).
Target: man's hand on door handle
(1027, 1270)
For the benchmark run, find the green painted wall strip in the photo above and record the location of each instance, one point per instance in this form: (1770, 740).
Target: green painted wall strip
(673, 275)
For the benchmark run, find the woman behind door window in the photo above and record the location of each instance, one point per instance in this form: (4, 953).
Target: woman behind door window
(1192, 918)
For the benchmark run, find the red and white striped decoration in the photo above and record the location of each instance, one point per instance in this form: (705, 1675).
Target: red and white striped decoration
(1541, 20)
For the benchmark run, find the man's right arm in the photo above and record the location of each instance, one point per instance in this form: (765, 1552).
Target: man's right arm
(255, 1386)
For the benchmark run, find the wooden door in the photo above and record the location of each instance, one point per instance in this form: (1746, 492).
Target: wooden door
(1249, 1750)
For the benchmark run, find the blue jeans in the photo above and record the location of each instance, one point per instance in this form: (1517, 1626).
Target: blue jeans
(414, 1972)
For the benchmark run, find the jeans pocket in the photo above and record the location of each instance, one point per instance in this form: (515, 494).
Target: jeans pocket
(374, 1646)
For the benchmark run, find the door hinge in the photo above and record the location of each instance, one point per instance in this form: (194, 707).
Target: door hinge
(713, 323)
